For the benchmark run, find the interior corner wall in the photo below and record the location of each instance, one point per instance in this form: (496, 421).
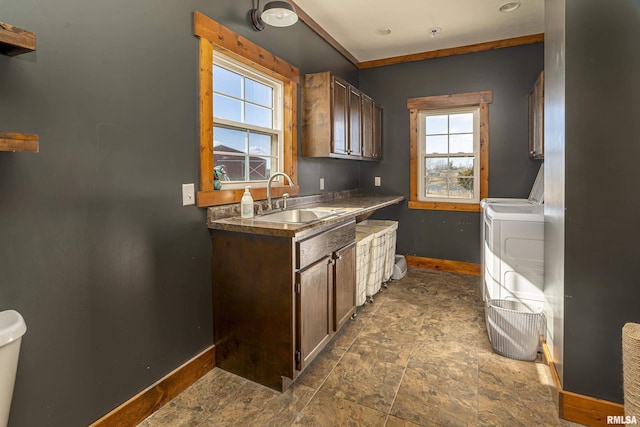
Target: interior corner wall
(111, 273)
(602, 207)
(510, 73)
(554, 180)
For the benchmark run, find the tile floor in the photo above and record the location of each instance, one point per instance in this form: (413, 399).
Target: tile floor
(418, 355)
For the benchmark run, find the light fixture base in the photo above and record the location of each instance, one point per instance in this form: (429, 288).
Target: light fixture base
(255, 21)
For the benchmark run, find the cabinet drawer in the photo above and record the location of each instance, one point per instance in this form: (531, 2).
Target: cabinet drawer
(314, 248)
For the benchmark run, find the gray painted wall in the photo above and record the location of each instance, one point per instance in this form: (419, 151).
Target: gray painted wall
(601, 155)
(110, 272)
(510, 74)
(554, 189)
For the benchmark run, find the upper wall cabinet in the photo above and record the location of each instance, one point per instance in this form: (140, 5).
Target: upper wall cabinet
(536, 119)
(338, 120)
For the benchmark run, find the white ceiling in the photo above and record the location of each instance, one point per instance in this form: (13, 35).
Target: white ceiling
(353, 23)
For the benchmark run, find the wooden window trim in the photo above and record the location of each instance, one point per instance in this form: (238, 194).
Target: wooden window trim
(415, 105)
(216, 37)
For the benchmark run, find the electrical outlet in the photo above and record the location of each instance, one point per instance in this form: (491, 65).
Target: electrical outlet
(322, 183)
(188, 195)
(376, 181)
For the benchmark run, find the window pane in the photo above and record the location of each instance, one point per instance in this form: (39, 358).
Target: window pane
(234, 165)
(259, 168)
(461, 123)
(461, 143)
(260, 144)
(460, 188)
(437, 124)
(461, 163)
(227, 108)
(435, 186)
(258, 116)
(229, 140)
(437, 144)
(461, 179)
(228, 82)
(258, 93)
(436, 166)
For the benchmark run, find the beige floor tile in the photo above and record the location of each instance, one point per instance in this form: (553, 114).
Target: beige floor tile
(366, 381)
(433, 398)
(327, 411)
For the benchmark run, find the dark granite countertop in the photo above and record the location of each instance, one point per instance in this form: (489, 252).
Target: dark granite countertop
(354, 204)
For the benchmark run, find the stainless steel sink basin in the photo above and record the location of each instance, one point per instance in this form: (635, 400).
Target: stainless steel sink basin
(298, 216)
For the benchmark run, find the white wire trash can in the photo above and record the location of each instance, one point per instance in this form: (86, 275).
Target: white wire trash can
(514, 328)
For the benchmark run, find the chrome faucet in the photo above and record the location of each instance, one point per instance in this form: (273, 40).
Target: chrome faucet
(269, 205)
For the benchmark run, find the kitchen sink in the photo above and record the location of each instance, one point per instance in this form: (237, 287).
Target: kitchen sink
(299, 216)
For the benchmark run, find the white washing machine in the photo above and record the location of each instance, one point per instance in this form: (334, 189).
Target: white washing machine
(513, 247)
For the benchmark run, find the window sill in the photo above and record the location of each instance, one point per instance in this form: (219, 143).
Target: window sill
(225, 197)
(445, 206)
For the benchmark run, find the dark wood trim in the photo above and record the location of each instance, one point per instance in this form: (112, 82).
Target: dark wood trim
(450, 101)
(206, 111)
(579, 408)
(145, 403)
(484, 147)
(444, 206)
(461, 50)
(323, 34)
(14, 40)
(443, 265)
(19, 142)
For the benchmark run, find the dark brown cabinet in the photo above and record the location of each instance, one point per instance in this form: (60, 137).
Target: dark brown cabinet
(536, 119)
(371, 129)
(340, 107)
(338, 120)
(278, 301)
(355, 122)
(313, 310)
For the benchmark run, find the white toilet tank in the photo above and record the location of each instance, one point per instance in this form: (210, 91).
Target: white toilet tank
(12, 328)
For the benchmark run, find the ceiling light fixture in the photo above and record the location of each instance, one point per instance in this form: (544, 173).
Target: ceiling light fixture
(509, 7)
(275, 13)
(383, 31)
(434, 31)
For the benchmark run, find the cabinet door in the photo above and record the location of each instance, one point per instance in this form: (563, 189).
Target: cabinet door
(536, 119)
(367, 127)
(313, 310)
(340, 107)
(344, 285)
(377, 131)
(355, 117)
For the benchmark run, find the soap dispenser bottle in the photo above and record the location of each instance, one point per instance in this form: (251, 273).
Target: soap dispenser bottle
(246, 204)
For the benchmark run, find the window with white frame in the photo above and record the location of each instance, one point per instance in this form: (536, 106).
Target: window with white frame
(449, 152)
(247, 122)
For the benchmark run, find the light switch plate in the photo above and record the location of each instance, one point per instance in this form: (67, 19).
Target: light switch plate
(377, 181)
(322, 183)
(188, 194)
